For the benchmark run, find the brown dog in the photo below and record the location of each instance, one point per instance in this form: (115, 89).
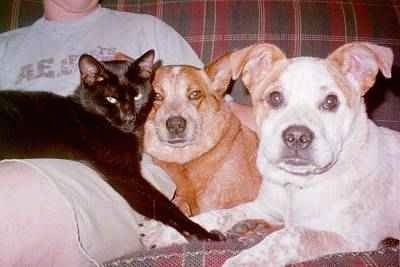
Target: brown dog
(194, 136)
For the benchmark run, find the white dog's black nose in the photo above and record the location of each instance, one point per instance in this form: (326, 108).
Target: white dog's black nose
(297, 137)
(176, 125)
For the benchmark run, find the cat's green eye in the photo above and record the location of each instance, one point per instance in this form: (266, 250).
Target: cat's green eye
(111, 100)
(138, 96)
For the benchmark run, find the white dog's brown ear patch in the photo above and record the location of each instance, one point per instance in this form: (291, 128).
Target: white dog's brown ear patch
(252, 63)
(361, 61)
(220, 73)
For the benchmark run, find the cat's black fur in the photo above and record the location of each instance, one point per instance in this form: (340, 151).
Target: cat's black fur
(102, 124)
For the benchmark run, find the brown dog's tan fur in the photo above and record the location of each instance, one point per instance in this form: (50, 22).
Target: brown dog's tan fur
(214, 165)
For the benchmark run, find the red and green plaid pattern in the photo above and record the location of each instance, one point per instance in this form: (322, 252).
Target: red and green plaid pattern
(214, 254)
(195, 253)
(212, 27)
(385, 257)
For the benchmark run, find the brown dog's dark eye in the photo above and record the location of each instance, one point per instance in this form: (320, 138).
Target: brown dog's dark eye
(194, 95)
(330, 103)
(275, 99)
(158, 97)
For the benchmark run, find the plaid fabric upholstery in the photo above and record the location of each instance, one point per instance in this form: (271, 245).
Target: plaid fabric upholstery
(212, 27)
(214, 254)
(385, 257)
(195, 253)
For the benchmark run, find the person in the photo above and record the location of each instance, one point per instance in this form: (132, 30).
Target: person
(60, 212)
(44, 55)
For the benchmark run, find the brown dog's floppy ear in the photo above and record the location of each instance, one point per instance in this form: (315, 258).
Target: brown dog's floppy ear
(219, 72)
(252, 63)
(361, 61)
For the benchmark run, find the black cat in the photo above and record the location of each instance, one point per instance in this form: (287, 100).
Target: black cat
(102, 124)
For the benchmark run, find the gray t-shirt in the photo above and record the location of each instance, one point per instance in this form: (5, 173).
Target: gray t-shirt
(44, 56)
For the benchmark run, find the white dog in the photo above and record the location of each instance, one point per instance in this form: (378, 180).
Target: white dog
(330, 175)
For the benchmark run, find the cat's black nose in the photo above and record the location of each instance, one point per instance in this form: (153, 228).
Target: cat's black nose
(128, 118)
(176, 125)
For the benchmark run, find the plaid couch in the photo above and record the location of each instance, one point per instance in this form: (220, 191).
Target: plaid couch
(299, 27)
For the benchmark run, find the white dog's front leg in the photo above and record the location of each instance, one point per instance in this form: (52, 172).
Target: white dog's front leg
(289, 245)
(156, 234)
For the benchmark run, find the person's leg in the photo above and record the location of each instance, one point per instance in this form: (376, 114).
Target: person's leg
(51, 203)
(38, 227)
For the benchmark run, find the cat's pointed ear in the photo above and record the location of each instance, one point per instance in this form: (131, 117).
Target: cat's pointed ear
(91, 69)
(145, 64)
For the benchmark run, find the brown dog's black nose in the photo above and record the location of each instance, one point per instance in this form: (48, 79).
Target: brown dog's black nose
(297, 137)
(176, 125)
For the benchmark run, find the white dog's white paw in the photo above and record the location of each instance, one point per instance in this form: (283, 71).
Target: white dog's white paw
(221, 220)
(154, 235)
(290, 245)
(277, 249)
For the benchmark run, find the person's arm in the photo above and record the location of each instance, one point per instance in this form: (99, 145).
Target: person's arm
(3, 44)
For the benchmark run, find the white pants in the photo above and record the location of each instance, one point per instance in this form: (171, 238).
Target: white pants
(61, 213)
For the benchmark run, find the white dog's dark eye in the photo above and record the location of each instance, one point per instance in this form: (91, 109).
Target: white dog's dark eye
(330, 103)
(194, 95)
(275, 99)
(111, 100)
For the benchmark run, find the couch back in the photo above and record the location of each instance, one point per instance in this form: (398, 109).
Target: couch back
(298, 27)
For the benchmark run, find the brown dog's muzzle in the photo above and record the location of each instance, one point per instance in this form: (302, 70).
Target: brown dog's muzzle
(176, 126)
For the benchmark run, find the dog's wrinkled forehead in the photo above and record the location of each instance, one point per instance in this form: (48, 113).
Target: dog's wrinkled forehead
(177, 80)
(303, 83)
(303, 75)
